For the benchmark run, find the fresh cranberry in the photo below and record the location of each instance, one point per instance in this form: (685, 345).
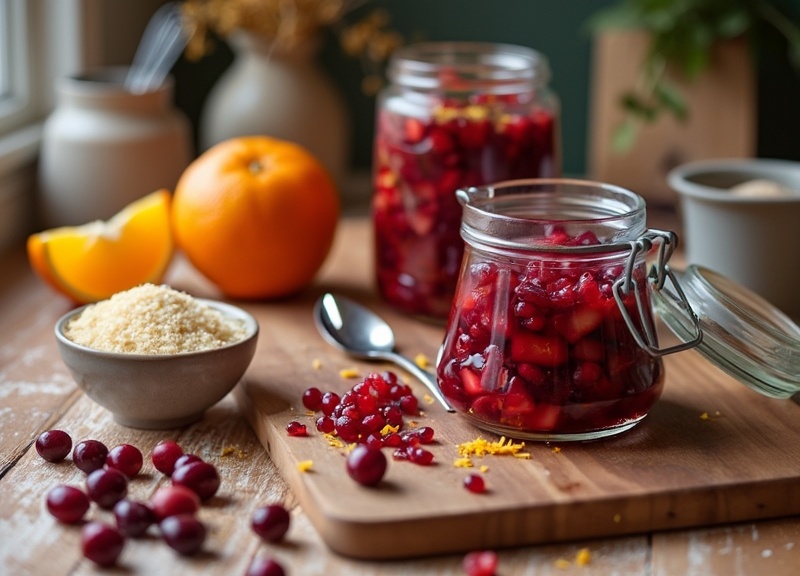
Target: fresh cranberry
(366, 465)
(53, 445)
(271, 522)
(165, 455)
(200, 477)
(295, 428)
(67, 503)
(174, 500)
(475, 483)
(106, 486)
(101, 543)
(125, 458)
(133, 518)
(183, 533)
(483, 563)
(312, 399)
(264, 566)
(89, 455)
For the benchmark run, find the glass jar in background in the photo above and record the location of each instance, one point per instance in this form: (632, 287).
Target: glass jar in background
(540, 344)
(455, 114)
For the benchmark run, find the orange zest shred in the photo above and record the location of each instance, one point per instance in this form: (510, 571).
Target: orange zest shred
(316, 363)
(484, 468)
(428, 399)
(422, 361)
(556, 449)
(617, 518)
(464, 462)
(562, 564)
(389, 429)
(481, 447)
(333, 440)
(583, 557)
(348, 373)
(305, 465)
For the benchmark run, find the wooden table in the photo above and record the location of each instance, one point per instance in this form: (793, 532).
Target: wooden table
(38, 394)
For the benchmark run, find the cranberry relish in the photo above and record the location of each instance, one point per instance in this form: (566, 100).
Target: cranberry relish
(419, 164)
(540, 345)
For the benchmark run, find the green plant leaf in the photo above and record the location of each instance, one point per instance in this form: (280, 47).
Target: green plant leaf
(636, 106)
(624, 137)
(671, 99)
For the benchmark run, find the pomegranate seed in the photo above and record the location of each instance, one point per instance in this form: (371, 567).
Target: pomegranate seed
(366, 465)
(271, 522)
(133, 518)
(312, 399)
(106, 486)
(53, 445)
(101, 543)
(165, 455)
(325, 424)
(89, 455)
(295, 428)
(67, 503)
(409, 405)
(475, 484)
(329, 401)
(263, 566)
(420, 456)
(125, 458)
(482, 563)
(174, 500)
(200, 477)
(183, 533)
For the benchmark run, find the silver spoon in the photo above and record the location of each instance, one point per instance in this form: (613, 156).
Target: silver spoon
(363, 334)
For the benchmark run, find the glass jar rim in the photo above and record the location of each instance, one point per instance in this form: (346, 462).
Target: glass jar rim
(507, 214)
(482, 66)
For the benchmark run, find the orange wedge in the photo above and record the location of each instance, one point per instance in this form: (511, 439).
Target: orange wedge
(91, 262)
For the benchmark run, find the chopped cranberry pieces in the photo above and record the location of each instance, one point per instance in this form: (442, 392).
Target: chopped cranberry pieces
(183, 533)
(67, 503)
(295, 428)
(271, 522)
(366, 465)
(165, 456)
(200, 477)
(557, 358)
(125, 458)
(106, 486)
(89, 455)
(101, 543)
(53, 445)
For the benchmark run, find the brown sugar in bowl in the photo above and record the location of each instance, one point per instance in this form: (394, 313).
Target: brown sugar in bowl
(160, 390)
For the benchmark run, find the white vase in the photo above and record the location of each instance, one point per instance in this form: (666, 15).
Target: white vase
(282, 94)
(104, 147)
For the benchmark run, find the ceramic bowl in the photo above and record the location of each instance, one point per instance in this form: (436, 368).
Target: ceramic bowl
(751, 238)
(159, 391)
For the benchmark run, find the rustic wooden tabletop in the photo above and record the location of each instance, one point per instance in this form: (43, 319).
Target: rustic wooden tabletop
(38, 393)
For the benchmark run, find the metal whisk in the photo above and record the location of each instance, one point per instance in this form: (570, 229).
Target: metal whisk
(162, 42)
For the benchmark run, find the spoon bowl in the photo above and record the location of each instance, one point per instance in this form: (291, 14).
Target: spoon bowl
(360, 332)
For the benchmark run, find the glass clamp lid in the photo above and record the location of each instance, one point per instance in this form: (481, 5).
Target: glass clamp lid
(742, 333)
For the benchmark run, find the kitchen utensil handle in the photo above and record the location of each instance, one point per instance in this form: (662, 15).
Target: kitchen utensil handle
(423, 376)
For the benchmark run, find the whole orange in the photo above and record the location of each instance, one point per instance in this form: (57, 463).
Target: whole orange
(256, 215)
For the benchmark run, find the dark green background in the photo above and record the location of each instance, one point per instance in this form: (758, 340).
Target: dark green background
(555, 28)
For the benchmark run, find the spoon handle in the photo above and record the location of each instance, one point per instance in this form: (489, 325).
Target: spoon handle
(422, 375)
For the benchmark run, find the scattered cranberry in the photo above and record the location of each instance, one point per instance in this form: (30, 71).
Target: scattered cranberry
(101, 543)
(312, 399)
(89, 455)
(271, 522)
(200, 477)
(125, 458)
(264, 566)
(183, 533)
(475, 483)
(185, 459)
(295, 428)
(366, 465)
(329, 401)
(106, 486)
(67, 503)
(53, 445)
(482, 563)
(174, 500)
(133, 518)
(165, 455)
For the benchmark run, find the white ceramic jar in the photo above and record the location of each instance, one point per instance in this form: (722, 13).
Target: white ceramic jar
(104, 147)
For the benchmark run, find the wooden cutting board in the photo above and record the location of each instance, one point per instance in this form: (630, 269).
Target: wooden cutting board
(711, 451)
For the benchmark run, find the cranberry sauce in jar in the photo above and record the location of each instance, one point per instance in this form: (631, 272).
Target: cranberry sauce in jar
(537, 345)
(454, 115)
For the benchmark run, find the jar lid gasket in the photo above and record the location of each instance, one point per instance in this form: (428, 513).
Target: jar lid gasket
(743, 334)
